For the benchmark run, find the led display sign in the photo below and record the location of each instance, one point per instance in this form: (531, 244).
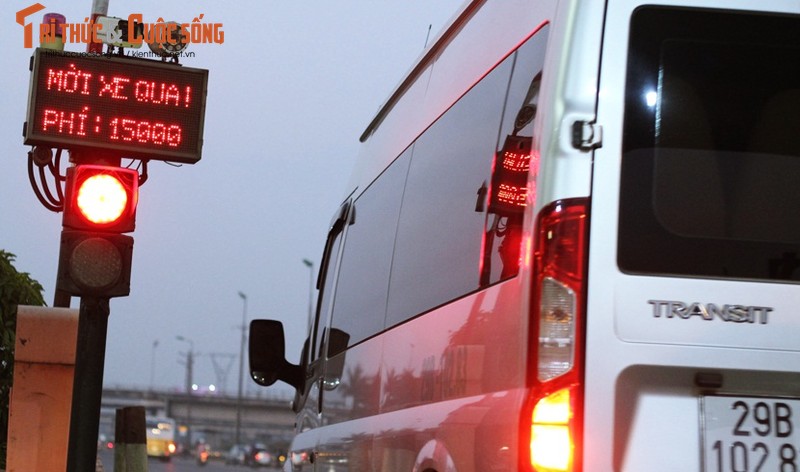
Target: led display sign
(135, 107)
(510, 178)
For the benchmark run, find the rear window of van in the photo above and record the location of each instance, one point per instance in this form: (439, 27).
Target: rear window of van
(711, 145)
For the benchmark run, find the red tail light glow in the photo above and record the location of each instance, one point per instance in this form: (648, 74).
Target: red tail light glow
(552, 424)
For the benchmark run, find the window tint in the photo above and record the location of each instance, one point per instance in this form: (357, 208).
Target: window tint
(361, 291)
(516, 158)
(448, 244)
(438, 247)
(454, 231)
(711, 153)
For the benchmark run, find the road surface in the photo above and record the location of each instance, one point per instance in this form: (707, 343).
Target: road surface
(179, 465)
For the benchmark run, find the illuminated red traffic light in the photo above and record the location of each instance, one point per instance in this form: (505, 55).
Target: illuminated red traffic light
(99, 205)
(101, 198)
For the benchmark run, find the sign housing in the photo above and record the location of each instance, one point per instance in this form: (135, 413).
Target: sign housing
(138, 108)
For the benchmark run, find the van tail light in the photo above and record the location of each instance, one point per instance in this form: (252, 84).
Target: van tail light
(552, 421)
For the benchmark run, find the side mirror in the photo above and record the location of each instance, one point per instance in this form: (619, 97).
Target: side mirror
(268, 358)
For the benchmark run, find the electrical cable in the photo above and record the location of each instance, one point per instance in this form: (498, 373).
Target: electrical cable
(49, 205)
(46, 187)
(143, 166)
(143, 176)
(55, 169)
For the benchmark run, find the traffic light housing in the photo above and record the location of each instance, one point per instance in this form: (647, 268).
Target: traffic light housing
(99, 206)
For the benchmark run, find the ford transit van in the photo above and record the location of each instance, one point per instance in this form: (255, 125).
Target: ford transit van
(571, 242)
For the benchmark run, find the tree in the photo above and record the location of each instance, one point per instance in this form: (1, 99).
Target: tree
(16, 288)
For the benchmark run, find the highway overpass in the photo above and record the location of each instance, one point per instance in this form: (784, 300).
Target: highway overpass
(211, 417)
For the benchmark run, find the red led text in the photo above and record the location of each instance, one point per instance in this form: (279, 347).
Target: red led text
(118, 129)
(119, 87)
(68, 81)
(127, 107)
(145, 132)
(512, 195)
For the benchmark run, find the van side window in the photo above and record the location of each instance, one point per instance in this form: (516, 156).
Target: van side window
(509, 195)
(443, 222)
(361, 290)
(439, 235)
(428, 220)
(327, 276)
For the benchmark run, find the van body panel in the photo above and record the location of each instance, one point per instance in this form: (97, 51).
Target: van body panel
(460, 389)
(482, 350)
(357, 393)
(350, 405)
(571, 84)
(683, 312)
(473, 433)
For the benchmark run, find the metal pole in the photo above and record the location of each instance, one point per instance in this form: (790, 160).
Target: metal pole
(188, 387)
(99, 8)
(190, 373)
(153, 364)
(87, 388)
(90, 357)
(241, 372)
(61, 299)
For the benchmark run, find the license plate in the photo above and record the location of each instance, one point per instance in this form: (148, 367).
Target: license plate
(750, 434)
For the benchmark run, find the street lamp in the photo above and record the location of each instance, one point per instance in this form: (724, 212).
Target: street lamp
(189, 362)
(241, 370)
(310, 266)
(153, 364)
(189, 369)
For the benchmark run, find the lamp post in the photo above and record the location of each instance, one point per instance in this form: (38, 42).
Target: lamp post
(153, 364)
(308, 263)
(189, 371)
(241, 371)
(189, 363)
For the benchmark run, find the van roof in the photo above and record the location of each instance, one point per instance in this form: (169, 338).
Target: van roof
(433, 48)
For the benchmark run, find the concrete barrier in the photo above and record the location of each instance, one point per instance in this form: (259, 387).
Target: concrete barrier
(41, 397)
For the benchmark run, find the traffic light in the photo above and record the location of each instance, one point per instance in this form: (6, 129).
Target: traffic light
(99, 205)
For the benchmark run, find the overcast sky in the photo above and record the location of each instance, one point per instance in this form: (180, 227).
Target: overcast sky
(290, 90)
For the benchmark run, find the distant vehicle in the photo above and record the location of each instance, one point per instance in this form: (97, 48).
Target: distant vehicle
(214, 454)
(203, 453)
(236, 455)
(258, 456)
(103, 442)
(161, 437)
(571, 242)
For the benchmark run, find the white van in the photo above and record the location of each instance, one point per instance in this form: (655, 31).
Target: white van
(571, 243)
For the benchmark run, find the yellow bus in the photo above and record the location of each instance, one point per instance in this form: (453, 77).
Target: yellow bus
(160, 437)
